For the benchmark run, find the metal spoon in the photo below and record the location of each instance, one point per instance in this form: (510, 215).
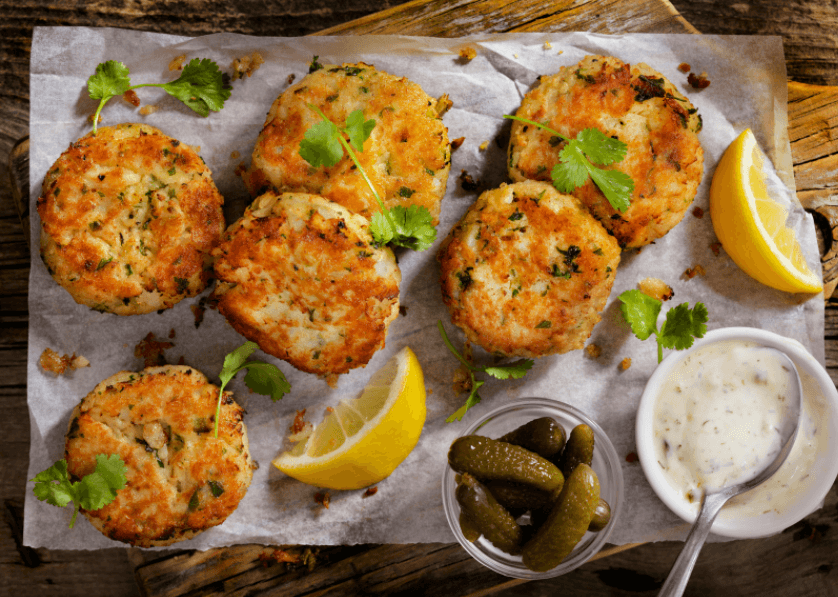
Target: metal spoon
(712, 502)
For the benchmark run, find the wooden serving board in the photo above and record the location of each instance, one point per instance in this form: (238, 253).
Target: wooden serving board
(446, 569)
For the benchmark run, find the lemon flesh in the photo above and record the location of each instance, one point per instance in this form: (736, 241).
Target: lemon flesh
(361, 441)
(751, 223)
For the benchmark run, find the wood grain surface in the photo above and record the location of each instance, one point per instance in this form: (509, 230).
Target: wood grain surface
(800, 561)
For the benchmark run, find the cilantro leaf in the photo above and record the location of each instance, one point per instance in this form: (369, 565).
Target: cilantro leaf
(680, 328)
(263, 378)
(200, 86)
(92, 492)
(515, 370)
(577, 161)
(323, 145)
(320, 145)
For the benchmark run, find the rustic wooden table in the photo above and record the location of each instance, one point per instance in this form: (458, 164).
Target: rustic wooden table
(800, 561)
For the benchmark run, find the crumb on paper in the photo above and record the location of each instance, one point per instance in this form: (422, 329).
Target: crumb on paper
(291, 78)
(625, 363)
(698, 212)
(300, 428)
(371, 491)
(172, 333)
(656, 288)
(246, 65)
(148, 109)
(468, 54)
(235, 155)
(402, 310)
(696, 270)
(593, 350)
(716, 247)
(461, 380)
(467, 182)
(484, 145)
(515, 56)
(132, 98)
(323, 498)
(181, 360)
(59, 364)
(177, 63)
(150, 349)
(240, 170)
(455, 143)
(684, 67)
(698, 81)
(198, 311)
(560, 52)
(632, 457)
(443, 104)
(548, 45)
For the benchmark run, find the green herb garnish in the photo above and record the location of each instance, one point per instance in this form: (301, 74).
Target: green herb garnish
(577, 162)
(515, 370)
(199, 86)
(263, 378)
(680, 328)
(324, 144)
(93, 492)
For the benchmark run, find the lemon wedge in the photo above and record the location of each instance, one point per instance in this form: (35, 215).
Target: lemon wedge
(362, 441)
(751, 223)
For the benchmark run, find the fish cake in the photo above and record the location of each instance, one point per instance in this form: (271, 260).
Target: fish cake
(181, 480)
(128, 219)
(407, 156)
(302, 277)
(527, 271)
(634, 104)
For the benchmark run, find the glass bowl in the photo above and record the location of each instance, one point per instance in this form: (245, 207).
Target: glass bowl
(801, 484)
(606, 464)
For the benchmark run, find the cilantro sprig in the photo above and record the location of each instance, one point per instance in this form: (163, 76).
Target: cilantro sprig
(324, 144)
(263, 378)
(92, 492)
(680, 328)
(200, 86)
(515, 370)
(577, 161)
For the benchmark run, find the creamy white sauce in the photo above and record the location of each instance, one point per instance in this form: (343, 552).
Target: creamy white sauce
(716, 424)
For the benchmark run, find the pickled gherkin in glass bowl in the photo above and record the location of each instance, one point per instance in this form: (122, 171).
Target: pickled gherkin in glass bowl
(527, 542)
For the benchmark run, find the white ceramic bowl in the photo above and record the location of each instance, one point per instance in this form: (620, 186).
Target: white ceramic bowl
(606, 464)
(819, 430)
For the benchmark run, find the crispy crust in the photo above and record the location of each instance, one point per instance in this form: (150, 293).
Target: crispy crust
(407, 156)
(300, 276)
(640, 107)
(159, 421)
(512, 279)
(128, 218)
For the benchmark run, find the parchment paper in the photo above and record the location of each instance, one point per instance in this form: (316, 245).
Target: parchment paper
(748, 90)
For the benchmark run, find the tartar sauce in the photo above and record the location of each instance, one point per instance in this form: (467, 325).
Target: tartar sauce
(717, 420)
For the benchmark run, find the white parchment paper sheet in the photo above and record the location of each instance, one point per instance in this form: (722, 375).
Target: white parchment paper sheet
(748, 90)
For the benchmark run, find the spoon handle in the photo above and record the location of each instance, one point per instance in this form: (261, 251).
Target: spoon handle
(678, 577)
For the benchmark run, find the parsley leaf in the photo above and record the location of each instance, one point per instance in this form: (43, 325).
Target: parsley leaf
(680, 328)
(323, 145)
(577, 161)
(515, 370)
(93, 492)
(263, 378)
(200, 86)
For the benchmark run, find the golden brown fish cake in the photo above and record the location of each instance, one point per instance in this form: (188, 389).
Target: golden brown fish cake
(181, 480)
(407, 156)
(301, 276)
(128, 219)
(636, 105)
(527, 271)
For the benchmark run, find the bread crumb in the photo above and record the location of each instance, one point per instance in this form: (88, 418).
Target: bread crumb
(198, 311)
(548, 45)
(148, 109)
(515, 56)
(132, 98)
(656, 288)
(560, 52)
(468, 53)
(300, 428)
(235, 155)
(716, 248)
(371, 491)
(150, 349)
(443, 104)
(593, 350)
(696, 270)
(54, 363)
(177, 63)
(484, 145)
(684, 67)
(625, 363)
(698, 212)
(323, 498)
(291, 78)
(698, 81)
(467, 182)
(246, 65)
(455, 143)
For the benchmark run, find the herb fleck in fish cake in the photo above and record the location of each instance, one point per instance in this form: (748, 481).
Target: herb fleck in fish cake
(300, 276)
(181, 480)
(128, 219)
(527, 271)
(407, 156)
(634, 104)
